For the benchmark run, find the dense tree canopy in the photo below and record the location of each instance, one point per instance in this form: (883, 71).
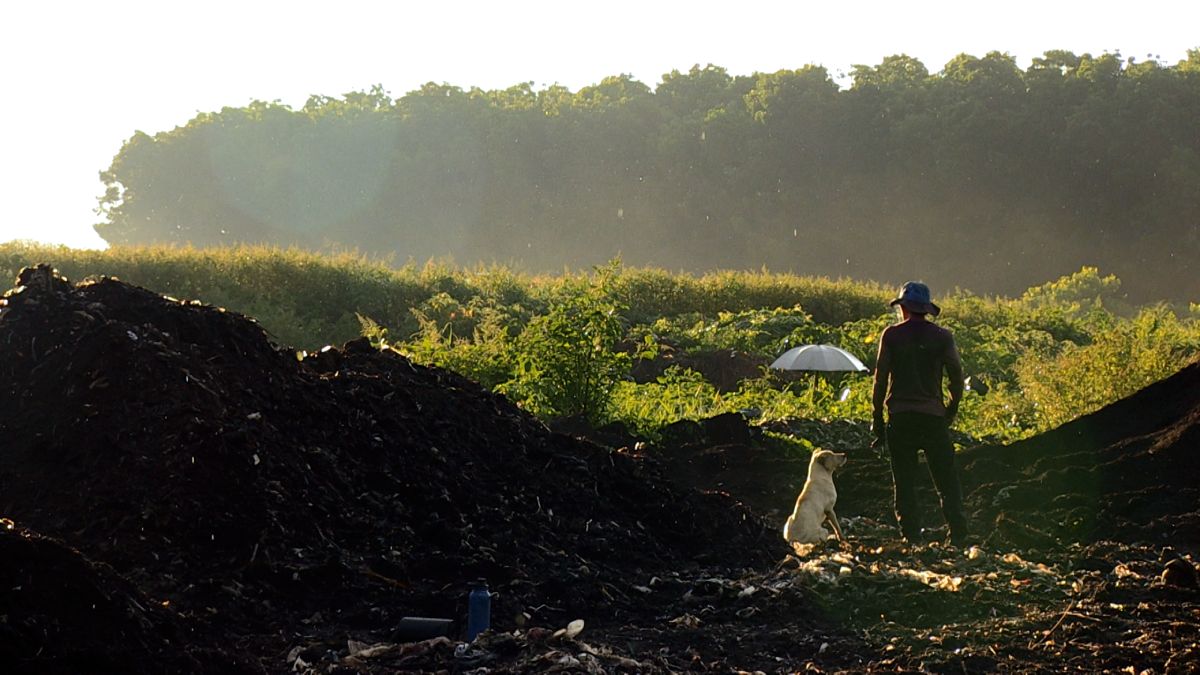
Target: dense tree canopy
(982, 175)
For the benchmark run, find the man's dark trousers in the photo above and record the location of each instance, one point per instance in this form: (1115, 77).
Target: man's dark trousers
(908, 432)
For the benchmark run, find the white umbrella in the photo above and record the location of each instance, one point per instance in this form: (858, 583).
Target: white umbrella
(826, 358)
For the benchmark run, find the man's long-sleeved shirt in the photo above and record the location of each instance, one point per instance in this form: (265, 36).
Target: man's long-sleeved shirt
(913, 355)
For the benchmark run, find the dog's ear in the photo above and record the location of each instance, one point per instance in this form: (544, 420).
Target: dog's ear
(828, 461)
(832, 460)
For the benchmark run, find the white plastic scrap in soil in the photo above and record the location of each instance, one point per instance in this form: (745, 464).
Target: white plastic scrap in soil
(572, 630)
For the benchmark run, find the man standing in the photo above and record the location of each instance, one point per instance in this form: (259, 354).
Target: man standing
(913, 355)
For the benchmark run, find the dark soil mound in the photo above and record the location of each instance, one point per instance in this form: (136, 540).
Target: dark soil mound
(1129, 472)
(725, 369)
(272, 503)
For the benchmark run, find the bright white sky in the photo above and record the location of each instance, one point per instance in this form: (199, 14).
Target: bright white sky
(78, 78)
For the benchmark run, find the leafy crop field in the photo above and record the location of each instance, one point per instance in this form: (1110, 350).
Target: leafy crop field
(647, 347)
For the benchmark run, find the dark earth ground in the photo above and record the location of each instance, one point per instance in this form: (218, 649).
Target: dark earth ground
(181, 496)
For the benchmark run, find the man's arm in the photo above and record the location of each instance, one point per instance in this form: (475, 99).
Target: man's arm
(954, 371)
(883, 371)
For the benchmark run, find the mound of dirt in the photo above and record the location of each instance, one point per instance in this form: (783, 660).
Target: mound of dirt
(725, 369)
(1125, 473)
(277, 507)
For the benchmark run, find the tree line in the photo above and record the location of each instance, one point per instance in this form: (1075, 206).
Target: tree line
(983, 176)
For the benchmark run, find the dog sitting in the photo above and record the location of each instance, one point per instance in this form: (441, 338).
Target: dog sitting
(815, 504)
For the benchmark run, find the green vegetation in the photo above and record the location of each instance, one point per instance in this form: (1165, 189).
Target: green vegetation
(568, 363)
(995, 178)
(565, 345)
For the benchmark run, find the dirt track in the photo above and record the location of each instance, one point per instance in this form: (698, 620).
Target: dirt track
(187, 497)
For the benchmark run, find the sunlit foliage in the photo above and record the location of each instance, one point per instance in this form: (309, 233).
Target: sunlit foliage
(565, 344)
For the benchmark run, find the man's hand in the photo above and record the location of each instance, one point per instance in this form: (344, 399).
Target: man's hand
(879, 428)
(951, 413)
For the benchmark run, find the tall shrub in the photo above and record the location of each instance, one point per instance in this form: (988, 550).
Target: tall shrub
(568, 364)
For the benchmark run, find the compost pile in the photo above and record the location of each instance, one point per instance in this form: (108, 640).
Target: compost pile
(179, 492)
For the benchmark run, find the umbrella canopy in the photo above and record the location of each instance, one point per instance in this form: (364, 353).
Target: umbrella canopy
(825, 358)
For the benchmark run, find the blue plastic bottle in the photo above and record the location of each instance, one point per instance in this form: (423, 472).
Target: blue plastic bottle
(479, 609)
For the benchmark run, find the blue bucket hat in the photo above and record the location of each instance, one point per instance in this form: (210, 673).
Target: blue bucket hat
(915, 296)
